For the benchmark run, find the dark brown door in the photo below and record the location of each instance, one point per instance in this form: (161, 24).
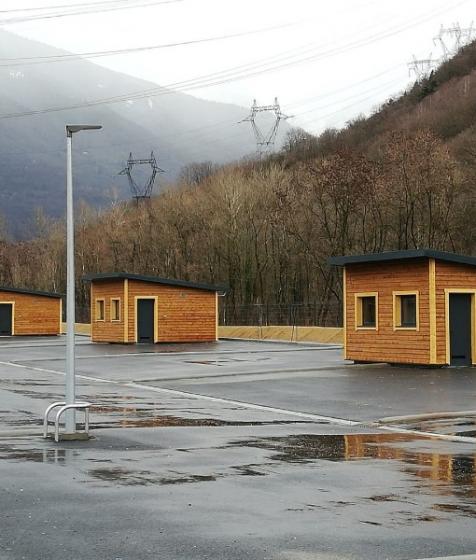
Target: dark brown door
(6, 319)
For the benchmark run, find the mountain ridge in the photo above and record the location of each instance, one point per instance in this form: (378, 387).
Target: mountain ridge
(179, 128)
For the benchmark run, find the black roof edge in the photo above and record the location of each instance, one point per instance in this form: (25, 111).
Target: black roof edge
(30, 292)
(389, 256)
(156, 280)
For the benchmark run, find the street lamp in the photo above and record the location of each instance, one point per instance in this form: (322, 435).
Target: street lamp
(70, 427)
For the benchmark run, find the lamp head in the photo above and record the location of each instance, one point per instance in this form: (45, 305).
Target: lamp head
(72, 128)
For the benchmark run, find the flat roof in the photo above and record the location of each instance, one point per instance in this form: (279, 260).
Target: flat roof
(155, 280)
(390, 256)
(30, 292)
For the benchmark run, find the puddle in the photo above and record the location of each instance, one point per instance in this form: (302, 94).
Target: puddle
(126, 477)
(465, 427)
(146, 418)
(448, 474)
(58, 456)
(466, 510)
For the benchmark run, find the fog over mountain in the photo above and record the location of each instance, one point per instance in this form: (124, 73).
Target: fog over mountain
(179, 128)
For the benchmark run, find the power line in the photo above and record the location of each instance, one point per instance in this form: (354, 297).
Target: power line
(86, 11)
(307, 100)
(381, 87)
(349, 106)
(231, 75)
(62, 6)
(26, 61)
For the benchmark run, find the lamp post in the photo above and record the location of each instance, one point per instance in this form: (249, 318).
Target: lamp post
(70, 280)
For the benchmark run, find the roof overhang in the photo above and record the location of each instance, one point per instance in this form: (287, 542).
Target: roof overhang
(394, 256)
(155, 280)
(30, 292)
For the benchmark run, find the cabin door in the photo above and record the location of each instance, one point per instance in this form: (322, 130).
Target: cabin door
(145, 320)
(460, 329)
(6, 319)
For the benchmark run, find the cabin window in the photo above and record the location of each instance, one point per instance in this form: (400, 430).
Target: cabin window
(366, 308)
(405, 310)
(115, 309)
(100, 310)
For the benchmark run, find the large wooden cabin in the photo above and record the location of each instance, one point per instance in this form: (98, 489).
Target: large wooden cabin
(28, 312)
(130, 308)
(410, 307)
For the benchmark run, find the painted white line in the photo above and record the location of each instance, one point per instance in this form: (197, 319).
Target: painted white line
(465, 557)
(427, 416)
(250, 406)
(172, 354)
(263, 408)
(55, 372)
(444, 437)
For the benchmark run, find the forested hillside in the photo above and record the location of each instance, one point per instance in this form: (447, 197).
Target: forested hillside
(402, 178)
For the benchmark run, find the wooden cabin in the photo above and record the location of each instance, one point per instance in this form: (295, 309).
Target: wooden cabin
(29, 312)
(410, 307)
(129, 308)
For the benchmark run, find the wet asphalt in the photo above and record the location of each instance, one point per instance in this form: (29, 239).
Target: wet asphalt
(234, 450)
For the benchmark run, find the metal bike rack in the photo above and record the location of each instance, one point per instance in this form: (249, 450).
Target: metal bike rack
(64, 407)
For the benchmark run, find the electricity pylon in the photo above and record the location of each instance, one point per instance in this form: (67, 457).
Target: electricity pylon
(265, 141)
(452, 38)
(422, 67)
(140, 192)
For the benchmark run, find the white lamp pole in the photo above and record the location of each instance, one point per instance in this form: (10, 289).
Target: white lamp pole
(70, 279)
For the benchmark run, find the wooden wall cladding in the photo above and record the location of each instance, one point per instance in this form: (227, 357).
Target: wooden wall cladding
(386, 344)
(107, 330)
(449, 276)
(33, 314)
(183, 314)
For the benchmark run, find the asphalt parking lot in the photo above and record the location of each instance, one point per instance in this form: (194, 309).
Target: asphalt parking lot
(235, 450)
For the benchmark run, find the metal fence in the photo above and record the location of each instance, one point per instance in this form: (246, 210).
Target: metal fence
(295, 314)
(303, 315)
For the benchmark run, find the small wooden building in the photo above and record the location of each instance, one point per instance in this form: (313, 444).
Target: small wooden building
(410, 307)
(29, 312)
(130, 308)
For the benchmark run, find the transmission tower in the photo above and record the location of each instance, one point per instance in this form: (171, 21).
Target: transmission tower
(422, 67)
(452, 38)
(141, 192)
(265, 141)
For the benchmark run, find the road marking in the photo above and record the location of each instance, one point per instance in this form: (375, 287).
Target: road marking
(465, 557)
(427, 416)
(263, 408)
(184, 353)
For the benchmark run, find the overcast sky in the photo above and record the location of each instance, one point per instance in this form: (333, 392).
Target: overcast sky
(327, 61)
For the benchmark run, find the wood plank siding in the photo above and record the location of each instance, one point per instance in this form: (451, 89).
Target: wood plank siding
(34, 314)
(183, 314)
(386, 343)
(450, 276)
(107, 330)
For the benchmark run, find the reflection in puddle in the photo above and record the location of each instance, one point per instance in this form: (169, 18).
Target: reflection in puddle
(452, 474)
(55, 455)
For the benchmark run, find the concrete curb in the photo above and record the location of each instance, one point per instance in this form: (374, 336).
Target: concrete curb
(312, 343)
(429, 416)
